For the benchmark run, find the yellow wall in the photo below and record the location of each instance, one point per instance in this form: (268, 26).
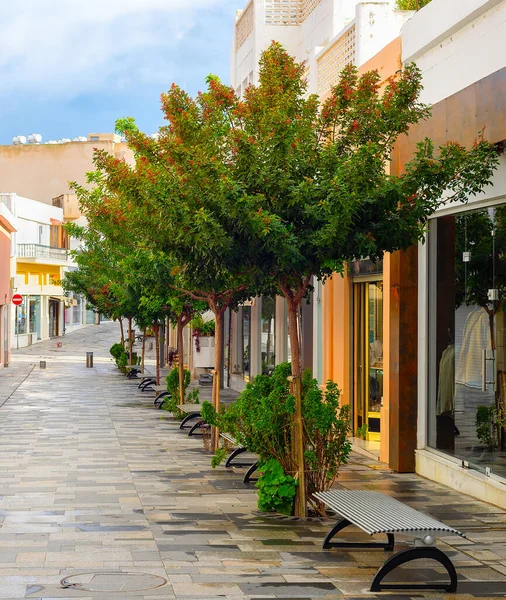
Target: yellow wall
(30, 274)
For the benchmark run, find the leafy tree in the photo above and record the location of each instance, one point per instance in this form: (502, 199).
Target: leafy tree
(316, 188)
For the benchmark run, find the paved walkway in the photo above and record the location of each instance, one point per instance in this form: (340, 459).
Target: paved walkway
(98, 487)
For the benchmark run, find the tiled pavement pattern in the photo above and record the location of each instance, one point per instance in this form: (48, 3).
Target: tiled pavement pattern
(94, 481)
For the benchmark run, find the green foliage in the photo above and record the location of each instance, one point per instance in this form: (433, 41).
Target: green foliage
(361, 432)
(486, 425)
(121, 357)
(276, 490)
(411, 4)
(262, 420)
(172, 380)
(203, 328)
(218, 457)
(193, 397)
(117, 350)
(170, 404)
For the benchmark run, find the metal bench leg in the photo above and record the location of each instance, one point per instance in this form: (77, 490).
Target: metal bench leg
(188, 418)
(251, 470)
(235, 453)
(160, 397)
(145, 384)
(340, 525)
(413, 554)
(197, 425)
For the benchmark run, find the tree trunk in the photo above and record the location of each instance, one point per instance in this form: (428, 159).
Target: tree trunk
(156, 330)
(218, 355)
(180, 353)
(130, 341)
(293, 332)
(143, 348)
(122, 332)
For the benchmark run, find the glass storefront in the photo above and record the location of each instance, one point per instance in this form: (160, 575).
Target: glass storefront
(368, 358)
(467, 350)
(21, 317)
(268, 335)
(34, 315)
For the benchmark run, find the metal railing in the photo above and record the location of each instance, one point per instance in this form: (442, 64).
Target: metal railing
(39, 251)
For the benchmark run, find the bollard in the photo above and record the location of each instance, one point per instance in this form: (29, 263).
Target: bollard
(42, 364)
(89, 360)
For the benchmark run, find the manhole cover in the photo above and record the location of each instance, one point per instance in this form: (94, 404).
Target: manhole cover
(113, 582)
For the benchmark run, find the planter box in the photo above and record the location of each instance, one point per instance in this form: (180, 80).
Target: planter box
(204, 358)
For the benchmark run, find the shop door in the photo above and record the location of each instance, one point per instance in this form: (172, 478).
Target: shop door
(368, 359)
(53, 318)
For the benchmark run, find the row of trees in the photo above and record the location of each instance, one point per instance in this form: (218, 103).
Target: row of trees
(236, 197)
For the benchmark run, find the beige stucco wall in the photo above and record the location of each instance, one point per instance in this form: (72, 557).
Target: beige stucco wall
(43, 172)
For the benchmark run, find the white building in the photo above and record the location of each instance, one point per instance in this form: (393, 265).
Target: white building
(326, 34)
(40, 256)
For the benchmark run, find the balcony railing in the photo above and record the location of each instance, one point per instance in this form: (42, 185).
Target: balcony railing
(39, 251)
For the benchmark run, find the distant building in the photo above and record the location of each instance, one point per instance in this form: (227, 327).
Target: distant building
(40, 250)
(42, 171)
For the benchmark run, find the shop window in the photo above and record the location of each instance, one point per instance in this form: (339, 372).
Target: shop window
(21, 326)
(268, 335)
(34, 316)
(467, 366)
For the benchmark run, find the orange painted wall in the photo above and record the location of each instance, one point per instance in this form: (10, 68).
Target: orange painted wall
(336, 297)
(5, 261)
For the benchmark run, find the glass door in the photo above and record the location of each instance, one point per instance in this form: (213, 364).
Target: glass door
(368, 359)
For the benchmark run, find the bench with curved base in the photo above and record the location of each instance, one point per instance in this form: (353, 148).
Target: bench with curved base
(377, 513)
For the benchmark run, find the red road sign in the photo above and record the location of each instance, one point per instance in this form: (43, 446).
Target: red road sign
(17, 299)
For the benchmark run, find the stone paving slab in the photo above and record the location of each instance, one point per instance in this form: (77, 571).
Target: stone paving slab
(94, 479)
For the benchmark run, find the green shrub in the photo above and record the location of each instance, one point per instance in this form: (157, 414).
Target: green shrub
(121, 357)
(171, 404)
(262, 420)
(172, 381)
(276, 490)
(117, 350)
(486, 425)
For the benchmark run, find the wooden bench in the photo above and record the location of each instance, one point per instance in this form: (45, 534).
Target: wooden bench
(252, 467)
(376, 513)
(192, 411)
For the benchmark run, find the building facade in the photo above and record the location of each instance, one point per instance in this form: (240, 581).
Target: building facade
(43, 171)
(40, 255)
(457, 316)
(7, 229)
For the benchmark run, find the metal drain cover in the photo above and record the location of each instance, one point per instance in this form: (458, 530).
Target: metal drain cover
(113, 582)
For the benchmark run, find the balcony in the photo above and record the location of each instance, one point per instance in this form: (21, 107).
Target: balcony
(41, 254)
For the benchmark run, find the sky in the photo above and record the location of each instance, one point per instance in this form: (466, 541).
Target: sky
(72, 67)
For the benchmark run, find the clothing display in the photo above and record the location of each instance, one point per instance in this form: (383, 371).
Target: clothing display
(446, 384)
(475, 339)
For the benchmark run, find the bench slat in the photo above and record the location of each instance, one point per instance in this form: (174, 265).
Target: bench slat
(376, 513)
(190, 408)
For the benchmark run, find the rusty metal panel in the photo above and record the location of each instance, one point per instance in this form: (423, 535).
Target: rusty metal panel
(461, 117)
(491, 105)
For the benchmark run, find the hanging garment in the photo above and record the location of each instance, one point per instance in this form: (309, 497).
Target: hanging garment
(446, 383)
(475, 338)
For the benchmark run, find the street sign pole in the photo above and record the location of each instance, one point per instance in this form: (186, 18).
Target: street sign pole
(17, 326)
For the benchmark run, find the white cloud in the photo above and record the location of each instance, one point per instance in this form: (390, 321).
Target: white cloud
(61, 48)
